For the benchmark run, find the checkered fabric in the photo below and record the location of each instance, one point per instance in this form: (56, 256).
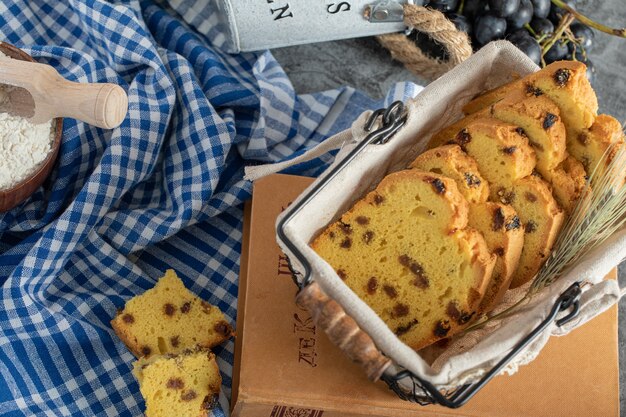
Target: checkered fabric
(164, 190)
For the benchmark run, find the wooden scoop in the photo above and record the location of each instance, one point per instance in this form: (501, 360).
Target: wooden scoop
(42, 94)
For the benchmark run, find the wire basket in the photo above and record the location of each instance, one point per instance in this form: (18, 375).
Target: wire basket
(385, 141)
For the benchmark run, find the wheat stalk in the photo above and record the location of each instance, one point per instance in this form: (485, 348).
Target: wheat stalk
(599, 213)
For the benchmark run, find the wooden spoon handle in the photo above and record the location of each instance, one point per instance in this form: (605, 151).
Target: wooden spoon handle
(102, 105)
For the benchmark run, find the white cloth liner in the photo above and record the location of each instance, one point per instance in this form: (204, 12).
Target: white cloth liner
(467, 358)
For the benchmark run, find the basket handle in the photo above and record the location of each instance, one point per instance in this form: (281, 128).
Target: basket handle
(343, 331)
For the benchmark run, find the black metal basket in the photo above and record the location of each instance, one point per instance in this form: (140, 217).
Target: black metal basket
(421, 392)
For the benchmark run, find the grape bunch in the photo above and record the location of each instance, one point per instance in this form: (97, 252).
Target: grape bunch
(539, 28)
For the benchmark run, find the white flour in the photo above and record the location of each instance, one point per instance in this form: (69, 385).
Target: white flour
(23, 145)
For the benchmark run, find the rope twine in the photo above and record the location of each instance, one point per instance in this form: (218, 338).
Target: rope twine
(440, 29)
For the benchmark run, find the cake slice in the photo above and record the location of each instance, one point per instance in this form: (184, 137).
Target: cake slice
(541, 218)
(502, 229)
(568, 182)
(498, 223)
(564, 82)
(185, 385)
(169, 318)
(451, 162)
(501, 151)
(505, 159)
(540, 120)
(405, 249)
(592, 145)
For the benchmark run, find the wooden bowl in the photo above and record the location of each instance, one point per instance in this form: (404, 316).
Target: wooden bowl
(13, 196)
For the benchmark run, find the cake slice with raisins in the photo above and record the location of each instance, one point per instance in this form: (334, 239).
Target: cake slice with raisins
(540, 120)
(591, 147)
(405, 249)
(169, 318)
(564, 82)
(186, 384)
(506, 160)
(498, 223)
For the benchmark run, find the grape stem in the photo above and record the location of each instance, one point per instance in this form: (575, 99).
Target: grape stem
(566, 20)
(584, 19)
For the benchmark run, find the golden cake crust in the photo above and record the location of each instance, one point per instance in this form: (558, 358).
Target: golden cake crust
(406, 250)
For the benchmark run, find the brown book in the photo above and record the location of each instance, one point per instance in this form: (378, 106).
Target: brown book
(285, 367)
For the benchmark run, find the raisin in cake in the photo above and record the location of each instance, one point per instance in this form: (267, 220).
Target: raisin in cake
(185, 385)
(498, 223)
(406, 250)
(169, 318)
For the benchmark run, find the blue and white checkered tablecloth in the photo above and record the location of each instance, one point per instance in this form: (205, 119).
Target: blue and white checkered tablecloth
(163, 190)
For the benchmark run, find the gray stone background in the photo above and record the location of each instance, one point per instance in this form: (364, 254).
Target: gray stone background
(363, 64)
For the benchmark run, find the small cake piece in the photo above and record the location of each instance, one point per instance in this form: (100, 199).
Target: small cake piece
(184, 385)
(590, 147)
(540, 120)
(502, 153)
(502, 229)
(542, 219)
(450, 161)
(405, 250)
(564, 82)
(568, 182)
(169, 318)
(498, 223)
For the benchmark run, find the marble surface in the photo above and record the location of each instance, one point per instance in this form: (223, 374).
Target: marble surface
(363, 64)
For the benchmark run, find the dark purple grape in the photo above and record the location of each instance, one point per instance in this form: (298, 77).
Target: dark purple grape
(556, 13)
(557, 52)
(503, 8)
(527, 44)
(429, 46)
(591, 71)
(584, 35)
(461, 22)
(542, 26)
(443, 5)
(474, 8)
(489, 28)
(541, 8)
(524, 15)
